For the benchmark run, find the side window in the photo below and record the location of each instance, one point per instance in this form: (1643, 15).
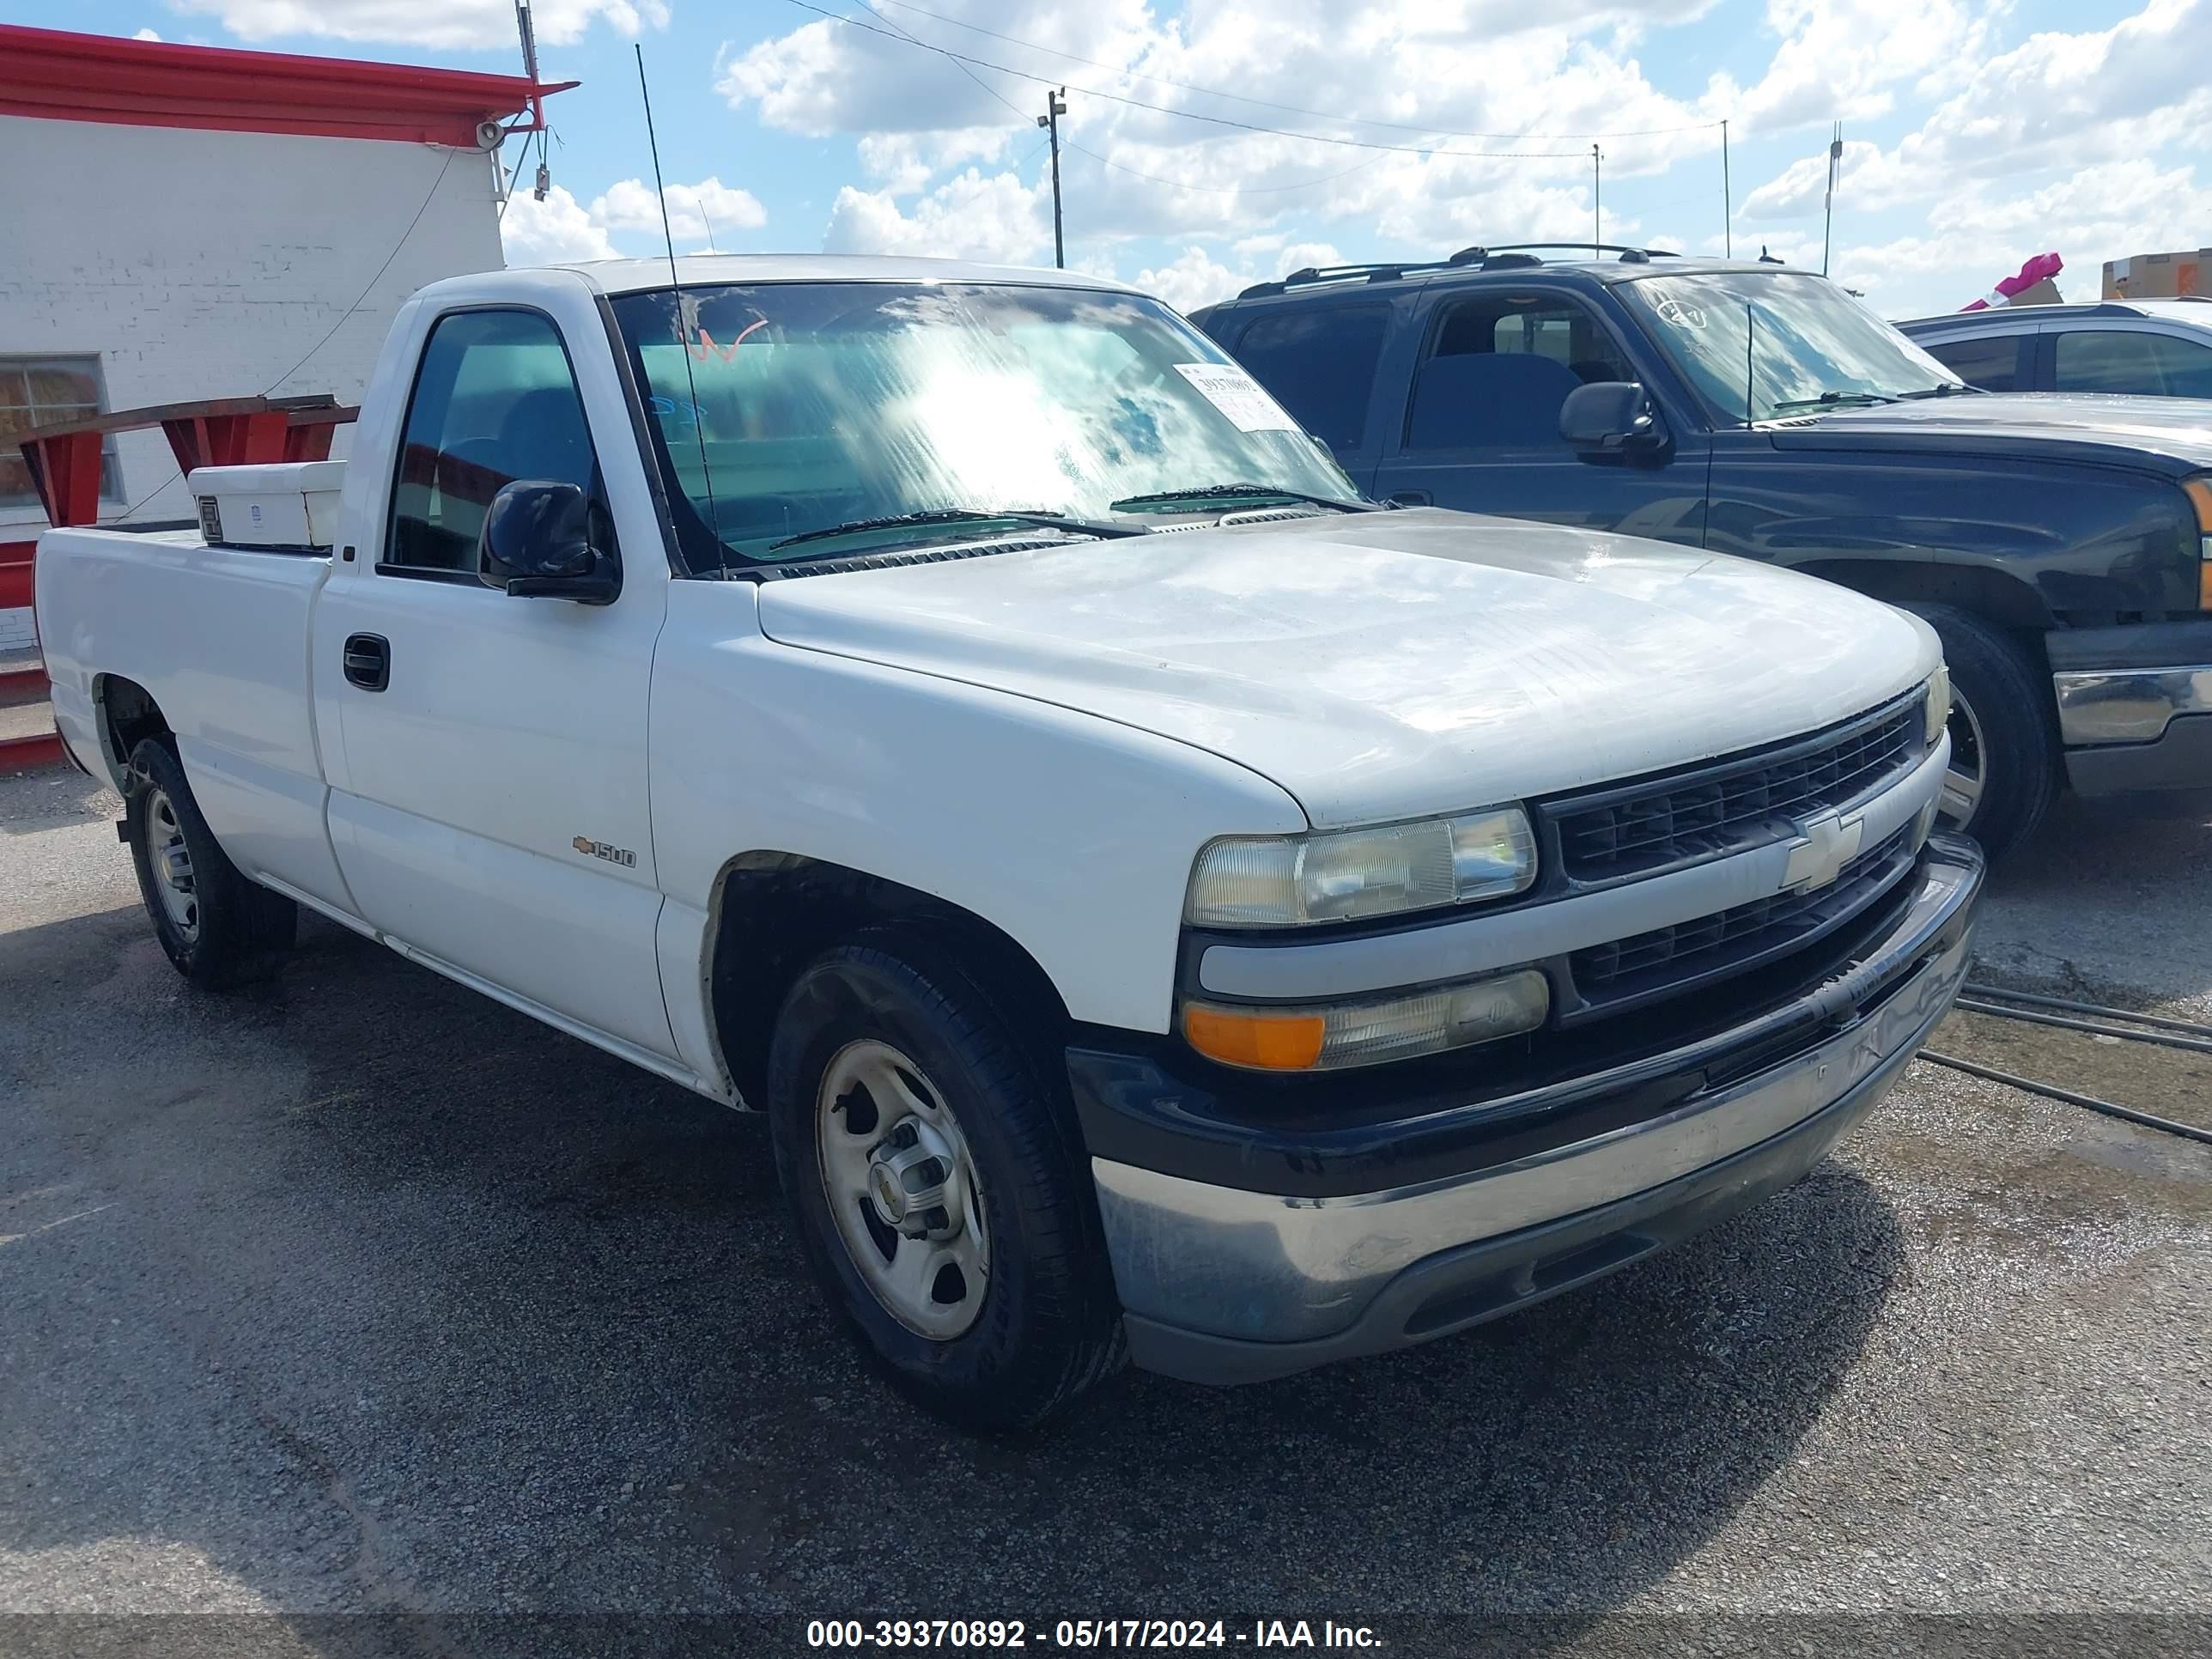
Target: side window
(2148, 365)
(1320, 365)
(495, 400)
(1990, 362)
(1500, 367)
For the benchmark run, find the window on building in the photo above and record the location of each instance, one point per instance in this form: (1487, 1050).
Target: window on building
(1501, 367)
(47, 392)
(495, 400)
(2147, 364)
(1320, 364)
(1990, 362)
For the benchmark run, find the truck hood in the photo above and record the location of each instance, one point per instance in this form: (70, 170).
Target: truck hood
(2062, 426)
(1385, 665)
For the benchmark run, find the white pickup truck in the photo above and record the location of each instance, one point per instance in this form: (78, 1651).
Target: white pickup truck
(1165, 905)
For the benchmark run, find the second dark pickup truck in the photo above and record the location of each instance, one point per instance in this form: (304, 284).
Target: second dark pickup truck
(2062, 546)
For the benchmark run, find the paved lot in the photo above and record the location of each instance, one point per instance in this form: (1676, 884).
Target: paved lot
(362, 1293)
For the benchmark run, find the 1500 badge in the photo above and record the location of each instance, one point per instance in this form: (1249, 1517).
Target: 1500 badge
(599, 849)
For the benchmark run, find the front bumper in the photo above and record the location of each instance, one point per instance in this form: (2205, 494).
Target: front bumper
(2135, 705)
(1236, 1263)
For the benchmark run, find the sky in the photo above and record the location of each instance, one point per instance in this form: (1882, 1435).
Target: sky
(1217, 143)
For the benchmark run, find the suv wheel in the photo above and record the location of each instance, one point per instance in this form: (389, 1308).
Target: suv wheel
(939, 1185)
(2004, 765)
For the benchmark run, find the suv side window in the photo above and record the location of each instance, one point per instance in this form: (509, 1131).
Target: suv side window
(495, 400)
(1499, 366)
(2149, 365)
(1319, 362)
(1991, 362)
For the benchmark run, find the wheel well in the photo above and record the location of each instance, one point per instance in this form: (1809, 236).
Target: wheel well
(129, 715)
(776, 912)
(1991, 595)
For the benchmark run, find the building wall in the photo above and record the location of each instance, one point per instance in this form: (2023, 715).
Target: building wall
(207, 265)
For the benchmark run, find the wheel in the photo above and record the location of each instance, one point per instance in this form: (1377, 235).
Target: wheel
(2004, 762)
(939, 1185)
(215, 926)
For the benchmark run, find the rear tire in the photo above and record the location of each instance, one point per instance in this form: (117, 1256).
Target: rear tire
(216, 926)
(2004, 759)
(893, 1075)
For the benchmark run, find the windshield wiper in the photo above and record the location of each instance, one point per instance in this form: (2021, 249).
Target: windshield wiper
(1834, 400)
(1948, 389)
(1263, 492)
(937, 515)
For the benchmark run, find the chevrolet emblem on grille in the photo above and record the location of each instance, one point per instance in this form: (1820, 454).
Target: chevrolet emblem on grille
(1829, 842)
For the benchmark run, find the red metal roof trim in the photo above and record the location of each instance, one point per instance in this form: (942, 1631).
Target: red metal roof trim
(61, 76)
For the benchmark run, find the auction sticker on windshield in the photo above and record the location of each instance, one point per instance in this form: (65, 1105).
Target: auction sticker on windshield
(1238, 396)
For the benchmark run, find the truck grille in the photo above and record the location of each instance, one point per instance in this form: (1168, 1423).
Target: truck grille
(1728, 805)
(1667, 960)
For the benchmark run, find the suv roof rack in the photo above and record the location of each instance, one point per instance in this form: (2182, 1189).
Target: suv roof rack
(1506, 255)
(1386, 272)
(1487, 258)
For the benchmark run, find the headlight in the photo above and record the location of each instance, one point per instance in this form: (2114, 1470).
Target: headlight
(1350, 875)
(1333, 1035)
(1937, 709)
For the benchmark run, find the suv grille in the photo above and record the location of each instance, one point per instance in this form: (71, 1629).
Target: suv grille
(1722, 807)
(1670, 959)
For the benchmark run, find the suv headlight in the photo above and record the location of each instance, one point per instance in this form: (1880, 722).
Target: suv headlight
(1936, 710)
(1354, 875)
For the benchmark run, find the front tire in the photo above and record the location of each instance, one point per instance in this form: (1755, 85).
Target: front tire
(2004, 762)
(216, 927)
(939, 1186)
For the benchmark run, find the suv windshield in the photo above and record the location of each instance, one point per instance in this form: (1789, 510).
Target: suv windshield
(1757, 345)
(785, 409)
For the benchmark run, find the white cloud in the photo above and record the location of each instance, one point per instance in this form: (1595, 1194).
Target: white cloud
(707, 212)
(1191, 279)
(147, 35)
(426, 22)
(549, 232)
(972, 215)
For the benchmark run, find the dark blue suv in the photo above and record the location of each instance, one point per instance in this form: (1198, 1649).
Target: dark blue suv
(2061, 548)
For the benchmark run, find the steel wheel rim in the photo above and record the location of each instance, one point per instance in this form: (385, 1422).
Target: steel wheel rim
(1968, 775)
(171, 861)
(902, 1188)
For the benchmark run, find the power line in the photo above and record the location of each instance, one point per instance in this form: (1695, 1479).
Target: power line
(1263, 103)
(1185, 114)
(1218, 190)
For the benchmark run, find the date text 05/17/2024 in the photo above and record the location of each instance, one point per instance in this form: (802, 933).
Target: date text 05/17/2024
(1001, 1635)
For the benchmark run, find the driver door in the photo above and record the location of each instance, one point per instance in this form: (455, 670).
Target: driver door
(489, 808)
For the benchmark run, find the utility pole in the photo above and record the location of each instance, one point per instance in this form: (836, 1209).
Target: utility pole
(1597, 201)
(524, 28)
(1055, 105)
(1835, 159)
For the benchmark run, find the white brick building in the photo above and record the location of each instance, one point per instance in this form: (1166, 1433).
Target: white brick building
(181, 223)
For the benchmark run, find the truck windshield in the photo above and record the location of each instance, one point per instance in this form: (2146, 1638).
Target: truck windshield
(1757, 345)
(907, 412)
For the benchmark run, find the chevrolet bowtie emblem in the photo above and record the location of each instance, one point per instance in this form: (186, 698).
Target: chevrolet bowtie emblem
(1826, 843)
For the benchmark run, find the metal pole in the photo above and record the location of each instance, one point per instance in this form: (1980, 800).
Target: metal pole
(1597, 202)
(1055, 105)
(1727, 201)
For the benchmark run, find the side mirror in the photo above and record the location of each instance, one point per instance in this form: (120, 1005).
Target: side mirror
(537, 543)
(1612, 417)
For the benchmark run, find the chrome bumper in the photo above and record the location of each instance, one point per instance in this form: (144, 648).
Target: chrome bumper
(1223, 1285)
(2128, 705)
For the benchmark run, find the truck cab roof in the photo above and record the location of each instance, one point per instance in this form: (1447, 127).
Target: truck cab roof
(704, 270)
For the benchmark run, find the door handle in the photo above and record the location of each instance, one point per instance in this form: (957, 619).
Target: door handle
(368, 661)
(1411, 497)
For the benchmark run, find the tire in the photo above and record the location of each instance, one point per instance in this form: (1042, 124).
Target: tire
(1026, 1323)
(218, 928)
(2005, 764)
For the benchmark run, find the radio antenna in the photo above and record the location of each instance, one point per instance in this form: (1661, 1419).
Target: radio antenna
(683, 330)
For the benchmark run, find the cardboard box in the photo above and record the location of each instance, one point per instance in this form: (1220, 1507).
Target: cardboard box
(2159, 276)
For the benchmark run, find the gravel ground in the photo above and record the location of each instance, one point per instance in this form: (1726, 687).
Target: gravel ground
(360, 1294)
